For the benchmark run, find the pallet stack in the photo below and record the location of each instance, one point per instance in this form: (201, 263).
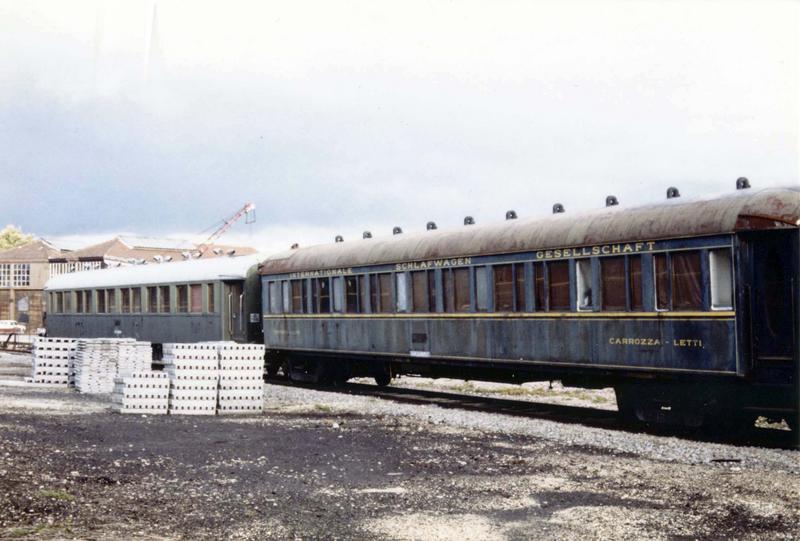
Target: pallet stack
(141, 392)
(134, 357)
(52, 360)
(241, 378)
(193, 371)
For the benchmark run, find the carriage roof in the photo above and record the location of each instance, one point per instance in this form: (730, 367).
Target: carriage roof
(196, 270)
(673, 218)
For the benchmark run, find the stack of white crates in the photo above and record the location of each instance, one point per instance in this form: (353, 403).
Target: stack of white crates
(52, 360)
(241, 378)
(96, 365)
(134, 357)
(144, 391)
(194, 374)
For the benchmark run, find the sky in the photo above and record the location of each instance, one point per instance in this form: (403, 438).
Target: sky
(339, 117)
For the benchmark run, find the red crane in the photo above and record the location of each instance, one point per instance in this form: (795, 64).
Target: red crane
(247, 210)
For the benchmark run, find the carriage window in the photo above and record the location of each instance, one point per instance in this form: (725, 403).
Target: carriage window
(461, 293)
(635, 283)
(583, 275)
(152, 300)
(338, 294)
(137, 299)
(363, 293)
(274, 298)
(195, 300)
(503, 288)
(432, 290)
(79, 302)
(721, 271)
(182, 293)
(210, 298)
(351, 294)
(402, 299)
(287, 298)
(324, 295)
(519, 285)
(87, 301)
(662, 282)
(559, 285)
(67, 302)
(687, 291)
(111, 300)
(539, 292)
(59, 303)
(612, 275)
(126, 300)
(164, 301)
(386, 300)
(481, 292)
(419, 291)
(298, 294)
(101, 301)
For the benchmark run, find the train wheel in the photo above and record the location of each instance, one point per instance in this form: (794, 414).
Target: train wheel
(383, 379)
(627, 405)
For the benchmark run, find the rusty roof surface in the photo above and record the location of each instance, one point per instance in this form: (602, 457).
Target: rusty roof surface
(672, 218)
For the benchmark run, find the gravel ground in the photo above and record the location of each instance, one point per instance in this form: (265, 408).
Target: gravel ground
(326, 465)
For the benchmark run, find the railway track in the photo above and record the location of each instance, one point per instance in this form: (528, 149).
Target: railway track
(589, 417)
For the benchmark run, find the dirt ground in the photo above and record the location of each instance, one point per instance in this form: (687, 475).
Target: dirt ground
(70, 468)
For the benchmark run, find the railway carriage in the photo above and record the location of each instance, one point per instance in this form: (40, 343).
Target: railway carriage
(688, 308)
(186, 301)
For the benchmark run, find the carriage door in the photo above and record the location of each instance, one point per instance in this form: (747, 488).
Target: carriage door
(234, 311)
(768, 264)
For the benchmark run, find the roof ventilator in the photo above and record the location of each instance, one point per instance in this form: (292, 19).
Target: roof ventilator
(558, 208)
(469, 220)
(338, 238)
(511, 215)
(612, 201)
(396, 230)
(742, 183)
(366, 235)
(430, 226)
(672, 192)
(294, 246)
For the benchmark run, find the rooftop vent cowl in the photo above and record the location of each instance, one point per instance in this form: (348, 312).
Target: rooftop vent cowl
(612, 200)
(511, 215)
(366, 235)
(672, 192)
(430, 226)
(397, 230)
(742, 183)
(469, 220)
(338, 238)
(558, 208)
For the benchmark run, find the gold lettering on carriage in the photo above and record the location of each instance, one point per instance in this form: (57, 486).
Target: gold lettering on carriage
(602, 249)
(646, 341)
(434, 264)
(321, 273)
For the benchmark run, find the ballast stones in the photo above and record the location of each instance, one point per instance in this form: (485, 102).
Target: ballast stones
(145, 392)
(52, 360)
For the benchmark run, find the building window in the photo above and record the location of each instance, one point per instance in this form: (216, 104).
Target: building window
(503, 288)
(22, 275)
(402, 292)
(721, 271)
(111, 300)
(136, 296)
(612, 277)
(182, 295)
(687, 292)
(419, 291)
(126, 300)
(558, 272)
(210, 298)
(196, 298)
(163, 299)
(5, 275)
